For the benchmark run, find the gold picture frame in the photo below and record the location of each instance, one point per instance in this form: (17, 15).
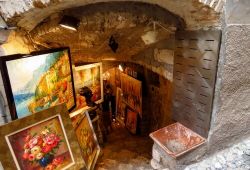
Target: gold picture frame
(19, 131)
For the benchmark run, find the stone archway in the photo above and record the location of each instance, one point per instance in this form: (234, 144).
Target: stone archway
(28, 14)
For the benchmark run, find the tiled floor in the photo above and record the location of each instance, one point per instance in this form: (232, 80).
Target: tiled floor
(124, 151)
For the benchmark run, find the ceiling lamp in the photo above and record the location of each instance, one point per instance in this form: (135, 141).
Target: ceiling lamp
(69, 22)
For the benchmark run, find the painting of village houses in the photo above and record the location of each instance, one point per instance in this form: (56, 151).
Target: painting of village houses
(42, 81)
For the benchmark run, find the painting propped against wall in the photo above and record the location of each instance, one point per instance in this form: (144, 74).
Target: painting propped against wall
(120, 105)
(132, 92)
(90, 76)
(87, 139)
(38, 81)
(131, 121)
(40, 141)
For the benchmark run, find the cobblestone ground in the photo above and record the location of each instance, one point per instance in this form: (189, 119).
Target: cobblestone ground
(124, 151)
(235, 158)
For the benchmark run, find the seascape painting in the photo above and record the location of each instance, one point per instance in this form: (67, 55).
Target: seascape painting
(41, 81)
(87, 140)
(90, 76)
(43, 145)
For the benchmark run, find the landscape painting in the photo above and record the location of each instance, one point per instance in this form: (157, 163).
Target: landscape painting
(87, 140)
(40, 81)
(41, 146)
(90, 76)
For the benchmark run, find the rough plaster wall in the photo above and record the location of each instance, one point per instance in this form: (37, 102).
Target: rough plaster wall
(231, 112)
(151, 58)
(233, 117)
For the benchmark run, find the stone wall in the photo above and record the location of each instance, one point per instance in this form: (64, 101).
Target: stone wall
(231, 111)
(159, 58)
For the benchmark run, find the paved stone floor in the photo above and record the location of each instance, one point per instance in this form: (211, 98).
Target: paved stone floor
(124, 151)
(236, 157)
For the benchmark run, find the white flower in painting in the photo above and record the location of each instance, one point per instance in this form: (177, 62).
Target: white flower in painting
(26, 151)
(39, 156)
(45, 132)
(35, 150)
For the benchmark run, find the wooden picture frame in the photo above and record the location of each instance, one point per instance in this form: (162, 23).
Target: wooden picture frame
(38, 81)
(86, 137)
(24, 139)
(120, 109)
(82, 75)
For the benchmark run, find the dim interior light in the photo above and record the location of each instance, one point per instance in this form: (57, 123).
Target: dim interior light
(120, 67)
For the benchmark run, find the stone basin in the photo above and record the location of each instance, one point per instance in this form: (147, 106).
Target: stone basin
(177, 139)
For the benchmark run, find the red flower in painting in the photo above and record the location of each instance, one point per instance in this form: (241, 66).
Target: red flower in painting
(41, 146)
(46, 149)
(25, 156)
(27, 139)
(31, 157)
(26, 146)
(57, 161)
(39, 141)
(52, 139)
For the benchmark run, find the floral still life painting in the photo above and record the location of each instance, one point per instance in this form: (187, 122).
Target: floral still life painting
(42, 81)
(42, 146)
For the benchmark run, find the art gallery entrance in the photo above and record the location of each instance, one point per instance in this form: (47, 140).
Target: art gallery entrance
(123, 71)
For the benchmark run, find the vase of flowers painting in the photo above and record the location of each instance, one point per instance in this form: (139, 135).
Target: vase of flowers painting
(41, 147)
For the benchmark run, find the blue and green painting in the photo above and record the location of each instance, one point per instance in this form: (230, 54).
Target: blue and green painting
(41, 81)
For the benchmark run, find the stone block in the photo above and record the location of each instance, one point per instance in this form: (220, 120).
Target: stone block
(237, 11)
(164, 56)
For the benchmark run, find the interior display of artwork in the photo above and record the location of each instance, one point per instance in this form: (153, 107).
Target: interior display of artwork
(44, 79)
(132, 92)
(87, 139)
(91, 76)
(40, 141)
(131, 121)
(120, 106)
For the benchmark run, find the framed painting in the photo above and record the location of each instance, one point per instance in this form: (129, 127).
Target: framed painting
(87, 139)
(90, 76)
(131, 121)
(119, 108)
(117, 77)
(40, 141)
(132, 92)
(38, 81)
